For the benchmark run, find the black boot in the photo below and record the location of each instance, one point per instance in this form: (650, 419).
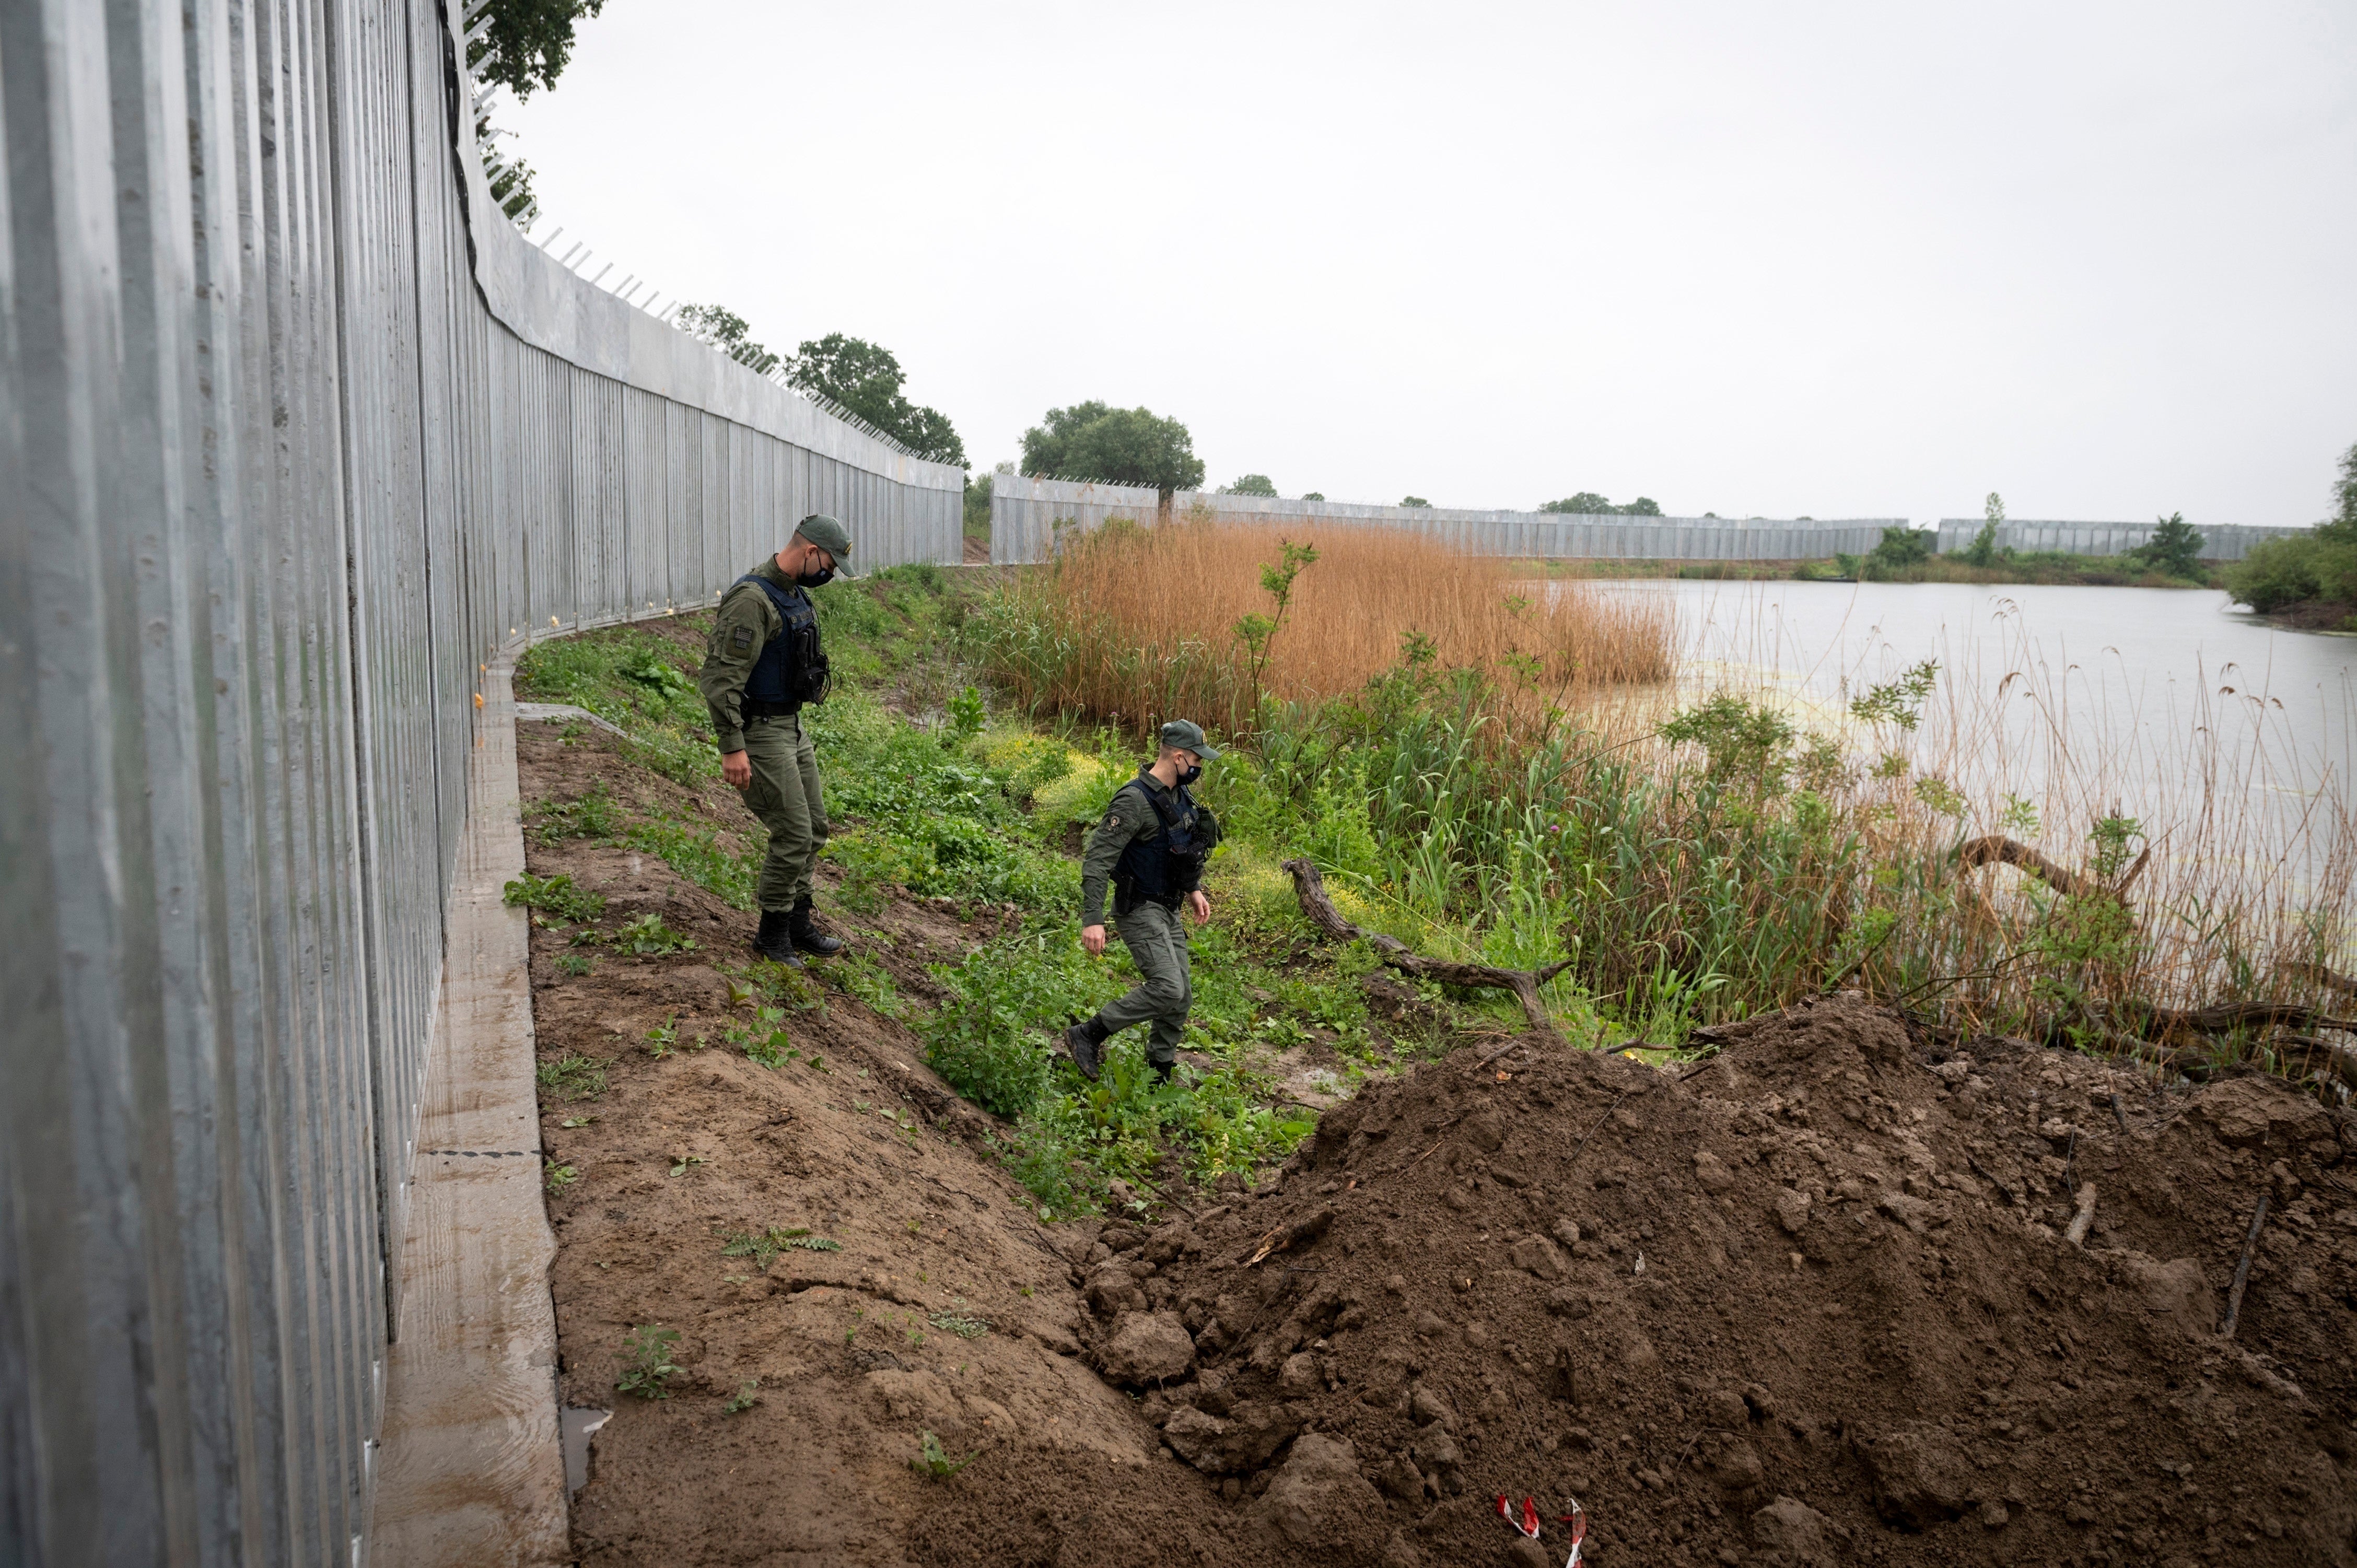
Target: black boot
(1082, 1041)
(775, 941)
(808, 936)
(1162, 1071)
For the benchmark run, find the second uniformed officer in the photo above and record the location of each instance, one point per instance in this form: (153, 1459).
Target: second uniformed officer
(762, 666)
(1150, 847)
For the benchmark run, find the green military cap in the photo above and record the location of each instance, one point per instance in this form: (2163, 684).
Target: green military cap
(830, 536)
(1183, 734)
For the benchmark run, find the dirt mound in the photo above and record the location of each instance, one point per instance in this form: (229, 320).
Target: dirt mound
(1813, 1301)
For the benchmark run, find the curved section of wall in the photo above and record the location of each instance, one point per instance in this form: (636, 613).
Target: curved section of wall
(295, 432)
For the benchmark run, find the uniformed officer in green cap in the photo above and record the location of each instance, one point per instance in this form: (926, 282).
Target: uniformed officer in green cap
(762, 665)
(1150, 848)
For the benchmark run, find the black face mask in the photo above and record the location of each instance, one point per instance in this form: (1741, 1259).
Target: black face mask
(817, 579)
(1189, 775)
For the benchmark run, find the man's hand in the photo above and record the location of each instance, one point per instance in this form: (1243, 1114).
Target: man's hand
(1093, 940)
(1199, 907)
(737, 769)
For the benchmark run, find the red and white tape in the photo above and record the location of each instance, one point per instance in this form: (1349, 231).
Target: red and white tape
(1526, 1523)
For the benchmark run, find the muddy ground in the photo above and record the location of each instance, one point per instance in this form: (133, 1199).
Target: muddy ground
(1808, 1301)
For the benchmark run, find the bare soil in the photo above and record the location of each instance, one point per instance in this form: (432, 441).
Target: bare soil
(1809, 1301)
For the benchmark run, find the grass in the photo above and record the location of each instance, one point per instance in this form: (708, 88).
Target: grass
(573, 1077)
(1702, 854)
(1132, 626)
(2053, 567)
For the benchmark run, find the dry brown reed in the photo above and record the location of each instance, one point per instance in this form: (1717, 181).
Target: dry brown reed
(1133, 624)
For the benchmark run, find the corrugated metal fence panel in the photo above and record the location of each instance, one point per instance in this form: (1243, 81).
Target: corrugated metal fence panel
(280, 477)
(2219, 542)
(1027, 516)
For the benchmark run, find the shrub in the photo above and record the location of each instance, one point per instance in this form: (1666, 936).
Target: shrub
(553, 896)
(982, 1041)
(646, 1362)
(2293, 570)
(2175, 548)
(1901, 548)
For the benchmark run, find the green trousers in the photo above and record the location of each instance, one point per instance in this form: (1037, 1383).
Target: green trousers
(1157, 943)
(784, 795)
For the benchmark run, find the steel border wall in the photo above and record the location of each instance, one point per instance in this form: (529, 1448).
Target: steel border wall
(295, 432)
(1027, 515)
(2219, 542)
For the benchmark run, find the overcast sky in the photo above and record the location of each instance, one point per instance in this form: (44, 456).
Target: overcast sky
(1828, 259)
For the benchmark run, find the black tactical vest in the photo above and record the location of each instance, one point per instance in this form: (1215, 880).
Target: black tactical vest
(792, 669)
(1165, 866)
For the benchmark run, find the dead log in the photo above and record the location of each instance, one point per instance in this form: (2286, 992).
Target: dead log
(1310, 886)
(2156, 1022)
(2315, 974)
(2055, 874)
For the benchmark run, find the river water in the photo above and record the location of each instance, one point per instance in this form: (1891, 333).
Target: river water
(2229, 739)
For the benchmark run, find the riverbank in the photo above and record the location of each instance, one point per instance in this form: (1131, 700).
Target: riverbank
(2049, 569)
(828, 1253)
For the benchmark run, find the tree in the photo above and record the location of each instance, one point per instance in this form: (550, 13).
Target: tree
(1313, 495)
(1901, 548)
(1413, 501)
(511, 185)
(2175, 548)
(1114, 446)
(528, 44)
(723, 329)
(1587, 503)
(1251, 485)
(865, 379)
(1981, 551)
(2341, 527)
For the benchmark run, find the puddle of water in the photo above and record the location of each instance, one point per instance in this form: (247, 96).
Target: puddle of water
(576, 1426)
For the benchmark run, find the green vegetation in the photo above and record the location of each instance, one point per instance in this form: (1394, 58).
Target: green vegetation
(1253, 484)
(1413, 501)
(646, 1361)
(2313, 575)
(1587, 503)
(1114, 446)
(747, 1395)
(2174, 550)
(648, 937)
(572, 1076)
(553, 895)
(977, 507)
(764, 1246)
(865, 379)
(932, 1461)
(723, 329)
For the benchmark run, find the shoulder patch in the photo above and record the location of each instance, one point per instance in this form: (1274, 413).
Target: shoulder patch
(1113, 818)
(740, 639)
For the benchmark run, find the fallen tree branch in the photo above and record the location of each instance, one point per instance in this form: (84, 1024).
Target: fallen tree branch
(1318, 906)
(1285, 1238)
(2060, 877)
(2151, 1022)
